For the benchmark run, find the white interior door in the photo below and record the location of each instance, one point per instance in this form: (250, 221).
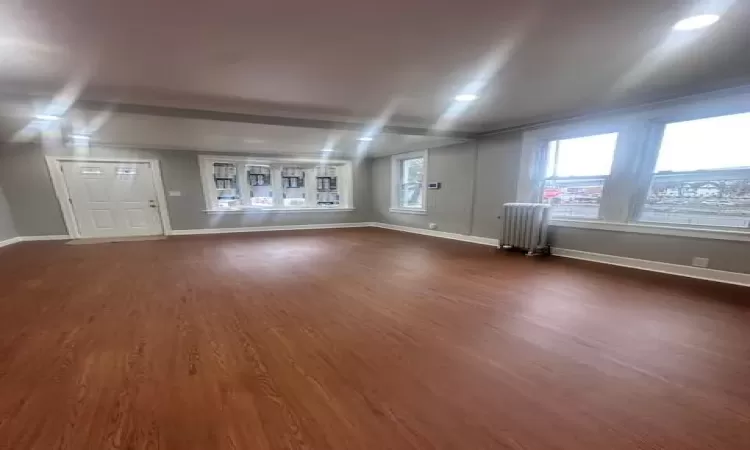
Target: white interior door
(113, 199)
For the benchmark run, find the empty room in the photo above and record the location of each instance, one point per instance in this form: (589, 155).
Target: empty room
(342, 225)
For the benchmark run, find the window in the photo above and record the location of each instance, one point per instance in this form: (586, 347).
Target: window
(702, 174)
(412, 179)
(670, 169)
(293, 185)
(227, 188)
(576, 171)
(327, 189)
(408, 175)
(260, 184)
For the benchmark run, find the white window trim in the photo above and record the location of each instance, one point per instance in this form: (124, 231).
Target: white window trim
(533, 162)
(346, 184)
(609, 206)
(647, 228)
(261, 210)
(416, 211)
(635, 128)
(396, 181)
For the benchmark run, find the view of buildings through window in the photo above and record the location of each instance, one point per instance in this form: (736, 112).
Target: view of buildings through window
(260, 184)
(576, 171)
(238, 184)
(702, 176)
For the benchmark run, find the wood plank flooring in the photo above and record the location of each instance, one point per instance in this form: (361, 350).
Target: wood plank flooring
(361, 339)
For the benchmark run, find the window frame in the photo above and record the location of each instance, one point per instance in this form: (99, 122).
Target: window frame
(652, 151)
(396, 182)
(640, 135)
(344, 178)
(603, 178)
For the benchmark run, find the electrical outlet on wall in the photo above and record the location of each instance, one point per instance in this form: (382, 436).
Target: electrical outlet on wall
(700, 262)
(433, 226)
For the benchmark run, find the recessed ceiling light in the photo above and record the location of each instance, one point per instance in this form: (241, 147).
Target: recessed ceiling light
(48, 117)
(696, 22)
(80, 137)
(365, 139)
(326, 149)
(465, 97)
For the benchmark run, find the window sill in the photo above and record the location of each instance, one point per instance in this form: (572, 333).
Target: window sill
(408, 211)
(275, 210)
(665, 230)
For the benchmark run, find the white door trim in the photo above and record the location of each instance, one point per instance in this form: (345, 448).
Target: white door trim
(54, 164)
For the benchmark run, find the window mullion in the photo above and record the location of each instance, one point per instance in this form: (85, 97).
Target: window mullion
(557, 158)
(311, 183)
(538, 171)
(245, 188)
(276, 185)
(400, 184)
(344, 175)
(210, 191)
(624, 178)
(648, 155)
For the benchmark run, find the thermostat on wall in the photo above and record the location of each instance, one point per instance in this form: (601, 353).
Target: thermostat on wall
(434, 185)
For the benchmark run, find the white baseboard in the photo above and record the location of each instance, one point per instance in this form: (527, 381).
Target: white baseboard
(10, 241)
(720, 276)
(741, 279)
(18, 239)
(55, 237)
(322, 226)
(440, 234)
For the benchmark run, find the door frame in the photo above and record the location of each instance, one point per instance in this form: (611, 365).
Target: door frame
(54, 164)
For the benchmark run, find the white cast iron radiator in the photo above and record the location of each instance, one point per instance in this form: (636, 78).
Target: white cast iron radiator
(525, 227)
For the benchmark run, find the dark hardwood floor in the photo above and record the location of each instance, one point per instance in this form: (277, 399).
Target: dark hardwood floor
(361, 339)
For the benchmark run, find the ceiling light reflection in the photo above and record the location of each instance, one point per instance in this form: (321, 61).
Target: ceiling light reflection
(490, 65)
(466, 97)
(701, 15)
(47, 117)
(696, 22)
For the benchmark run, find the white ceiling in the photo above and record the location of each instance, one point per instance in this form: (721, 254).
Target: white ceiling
(154, 132)
(177, 133)
(400, 60)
